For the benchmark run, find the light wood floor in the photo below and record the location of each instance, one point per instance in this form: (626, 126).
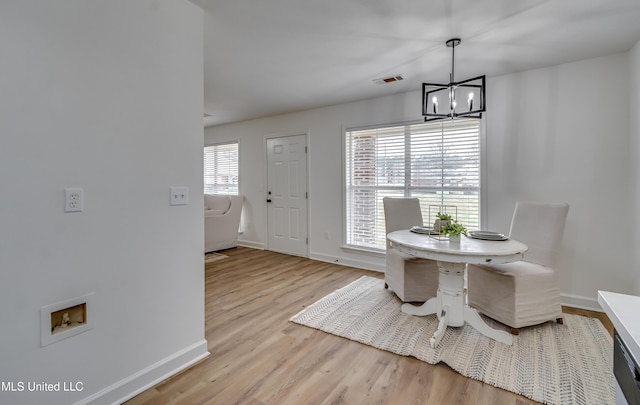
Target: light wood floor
(259, 357)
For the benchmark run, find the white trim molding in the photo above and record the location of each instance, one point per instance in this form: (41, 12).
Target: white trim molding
(146, 378)
(576, 301)
(251, 244)
(344, 261)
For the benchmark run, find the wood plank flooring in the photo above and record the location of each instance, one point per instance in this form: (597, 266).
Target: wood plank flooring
(258, 357)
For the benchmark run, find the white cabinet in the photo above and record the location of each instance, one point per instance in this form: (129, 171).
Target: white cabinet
(623, 311)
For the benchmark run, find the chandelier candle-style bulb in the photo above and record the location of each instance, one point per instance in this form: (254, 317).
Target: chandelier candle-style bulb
(452, 98)
(475, 88)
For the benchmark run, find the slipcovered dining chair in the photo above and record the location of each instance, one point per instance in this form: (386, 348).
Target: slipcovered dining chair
(526, 292)
(412, 280)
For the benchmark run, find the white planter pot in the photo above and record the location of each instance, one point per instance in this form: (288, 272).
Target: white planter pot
(439, 223)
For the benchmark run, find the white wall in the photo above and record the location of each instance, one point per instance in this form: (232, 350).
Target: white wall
(107, 96)
(562, 134)
(634, 152)
(555, 134)
(324, 129)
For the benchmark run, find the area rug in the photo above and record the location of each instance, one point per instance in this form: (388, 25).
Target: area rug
(213, 257)
(550, 363)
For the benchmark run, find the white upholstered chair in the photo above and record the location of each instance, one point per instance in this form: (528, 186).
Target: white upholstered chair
(412, 280)
(526, 292)
(221, 221)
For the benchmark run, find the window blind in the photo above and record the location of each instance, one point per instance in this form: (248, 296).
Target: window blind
(437, 162)
(221, 169)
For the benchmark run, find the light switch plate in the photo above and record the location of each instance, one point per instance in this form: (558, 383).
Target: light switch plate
(179, 196)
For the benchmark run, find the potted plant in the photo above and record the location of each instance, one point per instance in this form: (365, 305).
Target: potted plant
(453, 230)
(441, 221)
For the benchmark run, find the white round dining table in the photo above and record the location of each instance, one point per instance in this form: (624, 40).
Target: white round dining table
(452, 257)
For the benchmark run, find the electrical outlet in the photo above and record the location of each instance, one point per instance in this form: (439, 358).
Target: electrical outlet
(179, 196)
(73, 201)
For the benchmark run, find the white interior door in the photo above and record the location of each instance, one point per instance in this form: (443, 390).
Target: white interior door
(287, 194)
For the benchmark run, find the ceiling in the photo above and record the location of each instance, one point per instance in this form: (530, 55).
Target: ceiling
(271, 57)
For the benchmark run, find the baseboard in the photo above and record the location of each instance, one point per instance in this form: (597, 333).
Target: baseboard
(577, 301)
(146, 378)
(250, 244)
(574, 301)
(360, 264)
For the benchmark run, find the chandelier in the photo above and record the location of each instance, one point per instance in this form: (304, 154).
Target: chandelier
(463, 99)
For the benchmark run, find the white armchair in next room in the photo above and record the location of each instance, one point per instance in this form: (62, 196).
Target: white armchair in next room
(221, 221)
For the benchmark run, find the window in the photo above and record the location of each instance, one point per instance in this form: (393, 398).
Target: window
(437, 162)
(221, 169)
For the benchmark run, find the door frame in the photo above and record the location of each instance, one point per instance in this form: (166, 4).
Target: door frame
(265, 152)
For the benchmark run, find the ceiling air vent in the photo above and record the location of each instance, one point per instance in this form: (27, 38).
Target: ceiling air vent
(389, 79)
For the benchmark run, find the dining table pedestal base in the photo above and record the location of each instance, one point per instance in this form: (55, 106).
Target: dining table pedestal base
(450, 306)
